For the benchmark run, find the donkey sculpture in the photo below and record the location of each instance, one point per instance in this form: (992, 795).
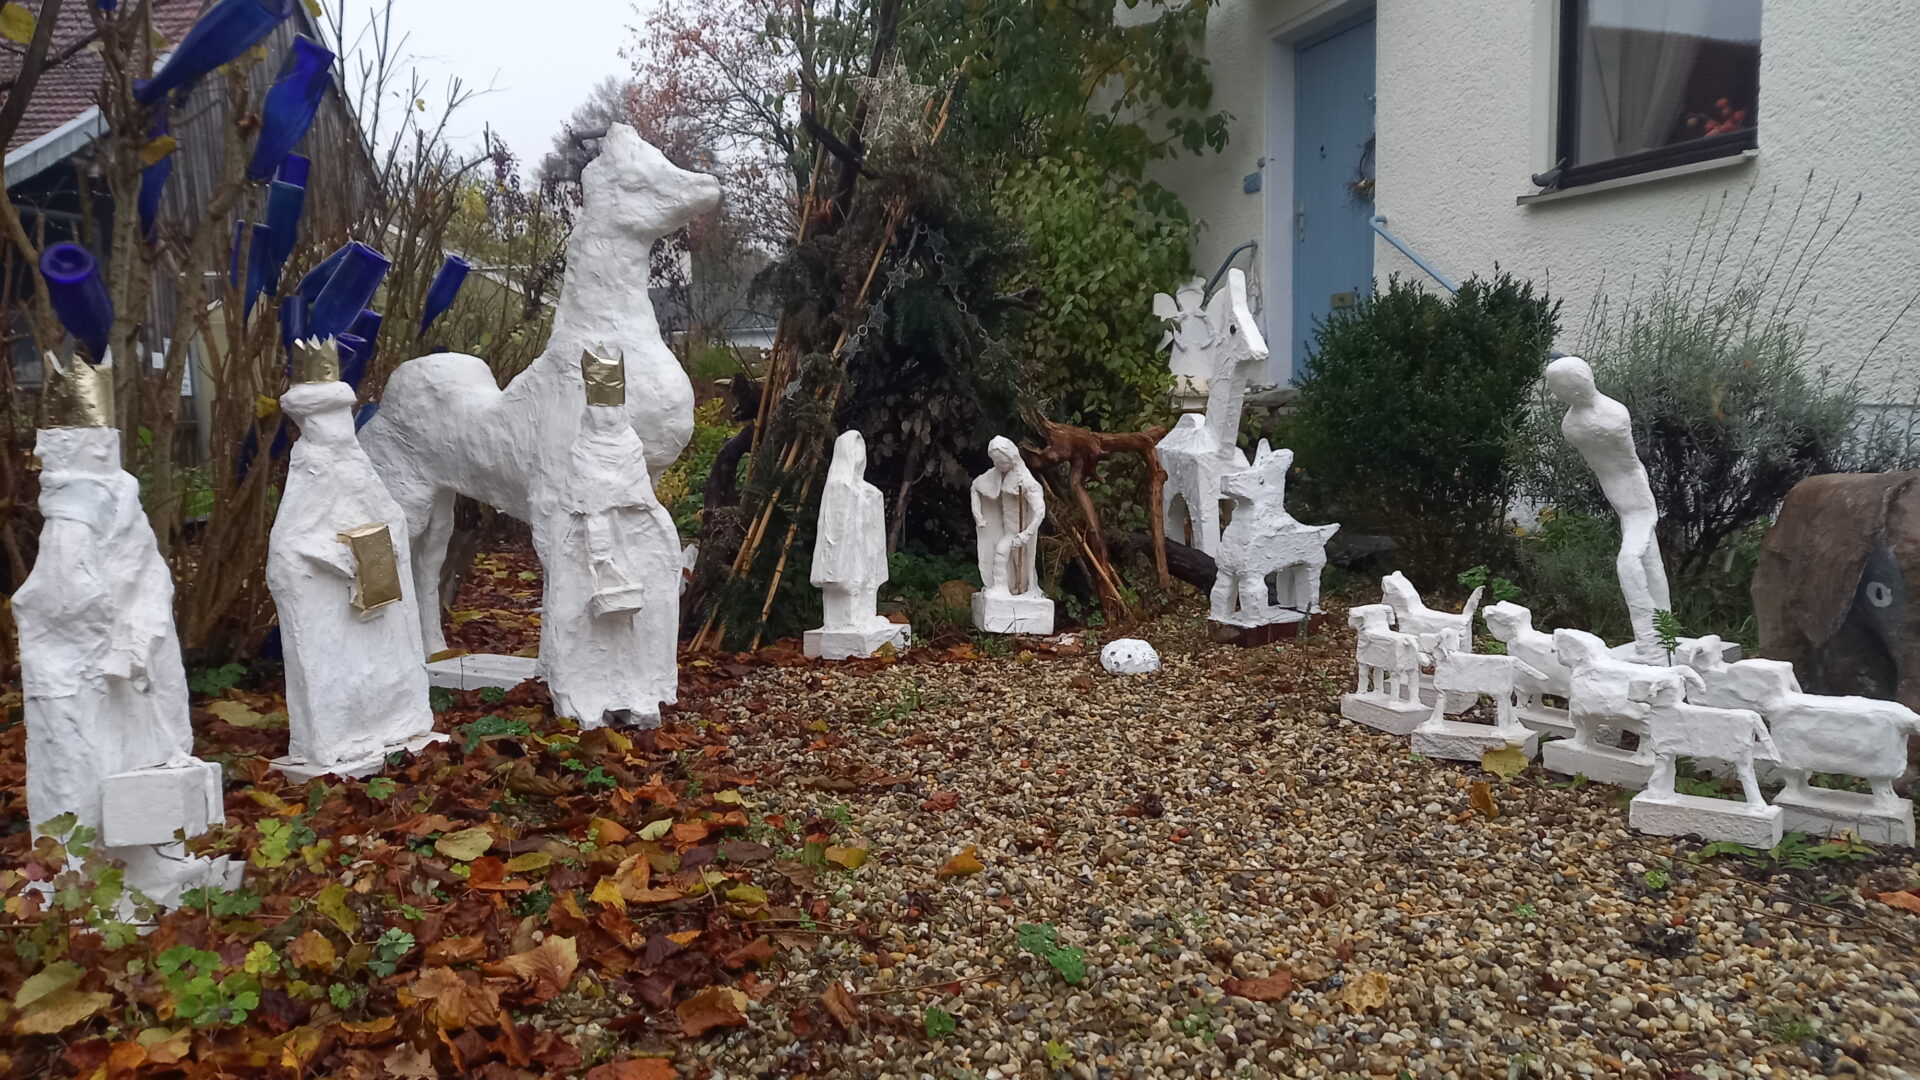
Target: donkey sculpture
(445, 427)
(1264, 540)
(1201, 449)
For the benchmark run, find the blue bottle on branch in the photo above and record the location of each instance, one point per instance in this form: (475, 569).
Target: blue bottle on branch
(285, 203)
(153, 181)
(78, 295)
(446, 286)
(259, 260)
(292, 103)
(227, 30)
(348, 290)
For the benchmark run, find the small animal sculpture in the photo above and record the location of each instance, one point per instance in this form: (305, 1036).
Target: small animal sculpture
(1600, 687)
(1677, 728)
(1265, 541)
(1457, 672)
(1851, 736)
(1416, 618)
(1513, 625)
(1388, 660)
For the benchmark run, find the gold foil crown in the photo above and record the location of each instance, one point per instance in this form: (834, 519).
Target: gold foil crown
(78, 394)
(606, 379)
(316, 361)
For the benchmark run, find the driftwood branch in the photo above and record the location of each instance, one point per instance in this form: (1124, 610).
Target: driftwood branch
(1082, 451)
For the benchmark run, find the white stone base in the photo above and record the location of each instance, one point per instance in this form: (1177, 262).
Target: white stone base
(162, 872)
(1457, 702)
(1710, 819)
(825, 644)
(476, 670)
(1384, 713)
(148, 806)
(1600, 764)
(1457, 740)
(300, 772)
(1823, 812)
(1004, 613)
(1546, 720)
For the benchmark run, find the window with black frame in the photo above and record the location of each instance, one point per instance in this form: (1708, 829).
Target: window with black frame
(1650, 84)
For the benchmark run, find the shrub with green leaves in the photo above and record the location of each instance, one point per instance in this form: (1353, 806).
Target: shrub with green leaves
(1408, 407)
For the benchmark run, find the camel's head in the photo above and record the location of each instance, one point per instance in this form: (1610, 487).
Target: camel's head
(637, 191)
(1235, 331)
(1507, 620)
(1263, 482)
(1398, 592)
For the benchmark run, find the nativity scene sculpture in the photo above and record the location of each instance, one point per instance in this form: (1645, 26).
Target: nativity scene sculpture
(611, 558)
(1008, 507)
(850, 560)
(338, 568)
(1201, 449)
(1268, 565)
(109, 743)
(445, 428)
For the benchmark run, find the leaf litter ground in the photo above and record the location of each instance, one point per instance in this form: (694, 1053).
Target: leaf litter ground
(953, 864)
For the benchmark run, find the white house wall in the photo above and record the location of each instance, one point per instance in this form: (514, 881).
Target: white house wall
(1464, 117)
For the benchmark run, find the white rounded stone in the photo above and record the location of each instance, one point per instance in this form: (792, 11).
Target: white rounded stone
(1129, 656)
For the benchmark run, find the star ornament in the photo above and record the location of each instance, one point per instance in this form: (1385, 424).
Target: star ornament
(895, 106)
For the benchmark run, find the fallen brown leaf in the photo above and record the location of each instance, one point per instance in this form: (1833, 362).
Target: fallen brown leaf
(961, 865)
(645, 1068)
(1369, 991)
(1480, 797)
(314, 950)
(839, 1001)
(546, 969)
(1271, 988)
(714, 1007)
(1906, 901)
(941, 800)
(457, 1003)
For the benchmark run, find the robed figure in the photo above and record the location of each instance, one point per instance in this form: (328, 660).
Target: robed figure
(611, 620)
(336, 561)
(1008, 508)
(850, 560)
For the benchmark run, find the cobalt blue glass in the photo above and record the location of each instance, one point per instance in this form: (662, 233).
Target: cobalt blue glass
(285, 202)
(354, 355)
(292, 102)
(316, 278)
(258, 258)
(293, 170)
(153, 182)
(229, 29)
(367, 328)
(348, 290)
(78, 295)
(446, 286)
(293, 320)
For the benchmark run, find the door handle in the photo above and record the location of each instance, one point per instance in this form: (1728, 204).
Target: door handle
(1300, 222)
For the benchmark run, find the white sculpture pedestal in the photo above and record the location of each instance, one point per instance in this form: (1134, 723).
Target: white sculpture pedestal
(1546, 720)
(1599, 763)
(141, 810)
(1459, 740)
(475, 671)
(1825, 812)
(1711, 819)
(300, 772)
(1005, 613)
(1382, 712)
(825, 644)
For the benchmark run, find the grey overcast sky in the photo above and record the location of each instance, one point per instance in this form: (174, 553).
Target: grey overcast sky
(539, 57)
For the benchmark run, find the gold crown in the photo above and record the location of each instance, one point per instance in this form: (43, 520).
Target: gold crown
(78, 394)
(316, 361)
(606, 379)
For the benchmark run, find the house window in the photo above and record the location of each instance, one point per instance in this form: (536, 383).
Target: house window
(1649, 84)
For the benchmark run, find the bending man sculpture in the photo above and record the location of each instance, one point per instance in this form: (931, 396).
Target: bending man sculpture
(1602, 430)
(1007, 510)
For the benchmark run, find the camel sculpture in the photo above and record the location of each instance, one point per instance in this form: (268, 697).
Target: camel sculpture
(445, 427)
(1201, 449)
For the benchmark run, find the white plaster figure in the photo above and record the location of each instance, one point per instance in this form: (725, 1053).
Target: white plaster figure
(1413, 616)
(1387, 694)
(1264, 546)
(1512, 625)
(1129, 656)
(445, 428)
(1602, 431)
(1008, 507)
(611, 556)
(1189, 337)
(108, 736)
(1202, 449)
(1816, 733)
(1601, 709)
(1678, 729)
(850, 560)
(354, 694)
(1459, 674)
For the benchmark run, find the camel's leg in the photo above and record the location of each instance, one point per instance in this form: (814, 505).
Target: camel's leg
(1660, 784)
(1224, 590)
(1883, 794)
(1750, 784)
(432, 527)
(1795, 781)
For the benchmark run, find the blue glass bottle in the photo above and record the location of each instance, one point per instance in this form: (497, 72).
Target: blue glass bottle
(229, 29)
(293, 320)
(78, 295)
(292, 102)
(286, 201)
(446, 286)
(348, 290)
(153, 181)
(355, 354)
(258, 259)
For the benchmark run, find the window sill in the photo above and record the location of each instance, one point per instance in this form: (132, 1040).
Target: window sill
(1730, 162)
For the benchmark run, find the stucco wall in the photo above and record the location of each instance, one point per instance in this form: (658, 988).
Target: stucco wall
(1463, 119)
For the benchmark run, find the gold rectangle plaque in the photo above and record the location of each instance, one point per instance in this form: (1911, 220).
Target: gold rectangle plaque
(376, 571)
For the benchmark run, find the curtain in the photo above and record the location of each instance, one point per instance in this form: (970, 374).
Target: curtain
(1634, 70)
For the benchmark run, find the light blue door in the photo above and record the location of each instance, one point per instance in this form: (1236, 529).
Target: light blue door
(1332, 178)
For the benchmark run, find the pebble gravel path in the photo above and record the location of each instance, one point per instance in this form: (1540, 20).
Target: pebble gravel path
(1217, 827)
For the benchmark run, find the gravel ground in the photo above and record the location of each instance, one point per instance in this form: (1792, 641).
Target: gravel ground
(1219, 821)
